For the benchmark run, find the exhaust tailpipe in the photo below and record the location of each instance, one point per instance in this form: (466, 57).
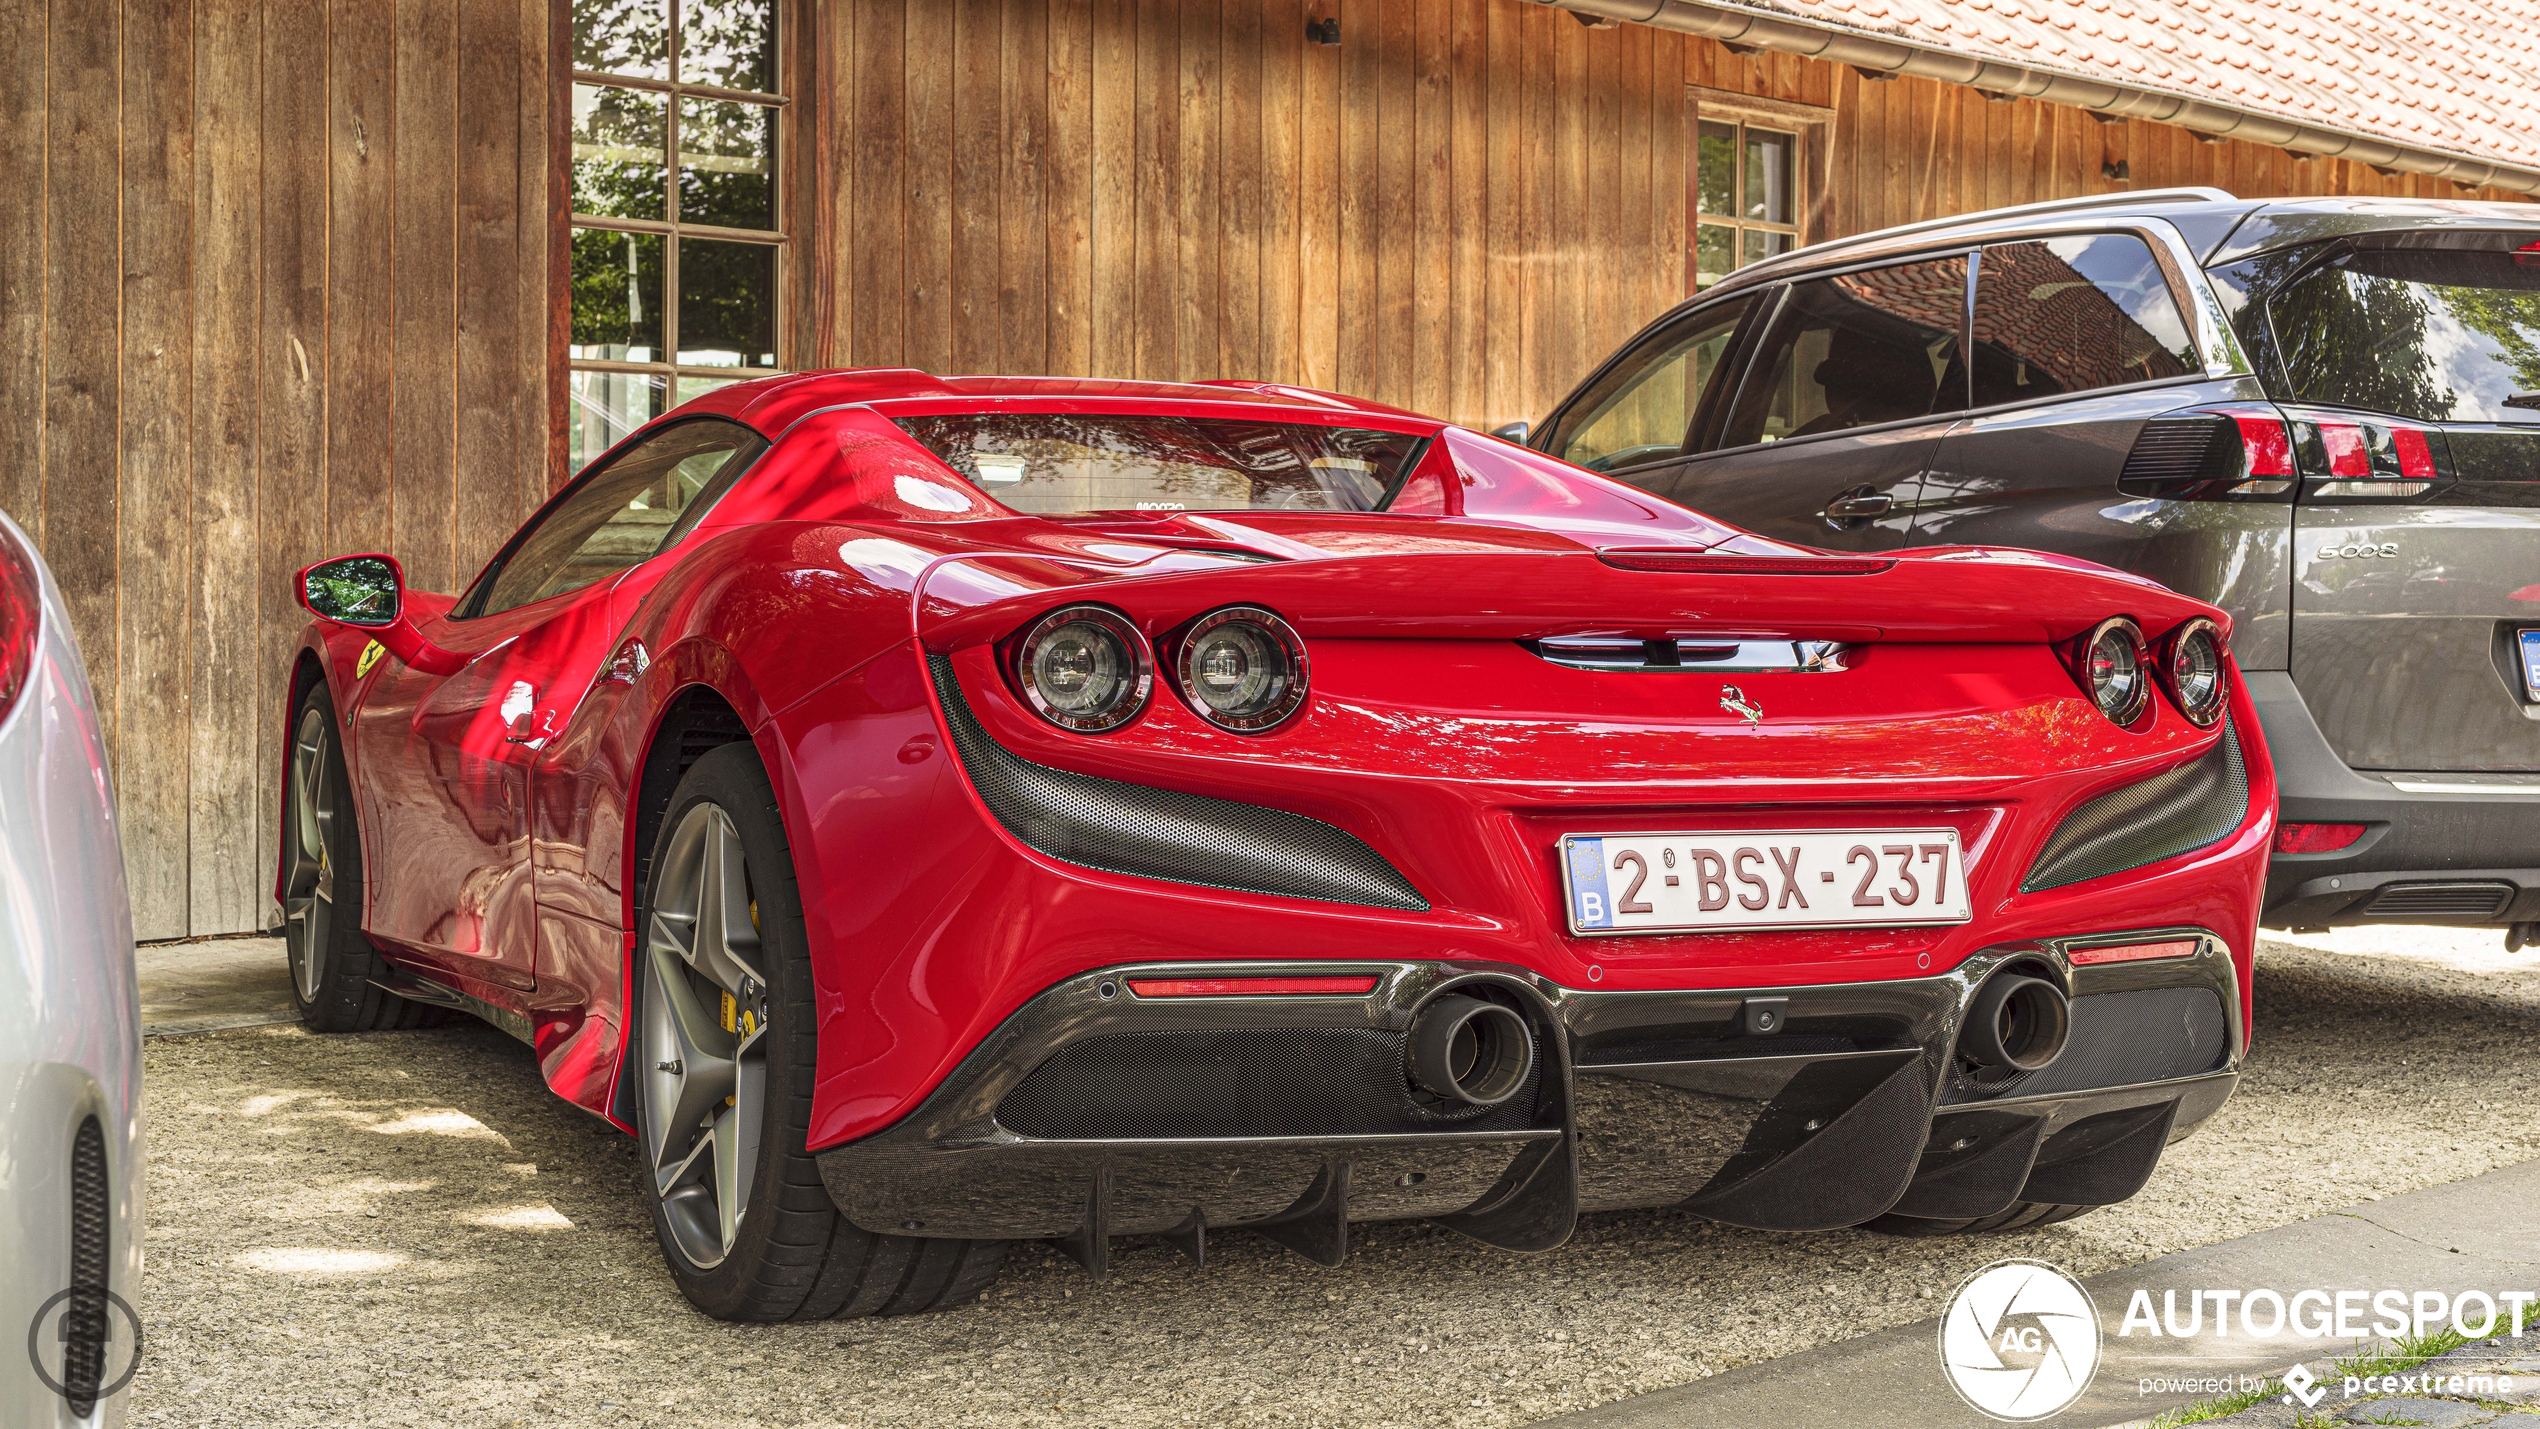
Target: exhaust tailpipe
(1466, 1050)
(2015, 1023)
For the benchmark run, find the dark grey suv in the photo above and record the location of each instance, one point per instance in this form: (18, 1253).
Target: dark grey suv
(2322, 415)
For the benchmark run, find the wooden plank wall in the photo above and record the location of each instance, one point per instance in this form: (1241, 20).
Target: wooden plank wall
(1457, 209)
(275, 274)
(234, 339)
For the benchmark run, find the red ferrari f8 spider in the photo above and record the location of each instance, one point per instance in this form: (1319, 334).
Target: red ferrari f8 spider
(935, 812)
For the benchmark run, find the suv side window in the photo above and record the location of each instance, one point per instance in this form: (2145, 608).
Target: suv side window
(2059, 315)
(1856, 350)
(1644, 409)
(621, 514)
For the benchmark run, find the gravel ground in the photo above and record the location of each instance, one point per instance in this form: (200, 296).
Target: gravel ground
(406, 1229)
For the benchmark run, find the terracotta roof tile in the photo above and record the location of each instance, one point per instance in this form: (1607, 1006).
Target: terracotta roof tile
(2433, 73)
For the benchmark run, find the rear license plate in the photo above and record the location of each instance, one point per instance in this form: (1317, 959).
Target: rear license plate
(1762, 878)
(2529, 640)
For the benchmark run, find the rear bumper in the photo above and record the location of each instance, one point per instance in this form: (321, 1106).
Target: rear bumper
(2428, 854)
(1093, 1113)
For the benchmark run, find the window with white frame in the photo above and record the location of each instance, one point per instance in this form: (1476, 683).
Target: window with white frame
(678, 227)
(1745, 191)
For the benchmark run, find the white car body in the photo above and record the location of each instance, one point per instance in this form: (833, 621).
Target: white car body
(70, 1021)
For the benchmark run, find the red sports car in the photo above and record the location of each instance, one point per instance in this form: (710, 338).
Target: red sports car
(935, 812)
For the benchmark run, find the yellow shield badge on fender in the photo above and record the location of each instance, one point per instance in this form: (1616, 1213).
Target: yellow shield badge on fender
(370, 657)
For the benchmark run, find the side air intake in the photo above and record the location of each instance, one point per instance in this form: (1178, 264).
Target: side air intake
(2188, 808)
(1163, 833)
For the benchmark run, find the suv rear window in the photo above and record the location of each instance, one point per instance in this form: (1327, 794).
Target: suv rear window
(2062, 315)
(2441, 335)
(1056, 464)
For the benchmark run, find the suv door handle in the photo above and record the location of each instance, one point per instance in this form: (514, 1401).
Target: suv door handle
(1856, 504)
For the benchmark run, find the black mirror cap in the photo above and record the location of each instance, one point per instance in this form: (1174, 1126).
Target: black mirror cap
(367, 590)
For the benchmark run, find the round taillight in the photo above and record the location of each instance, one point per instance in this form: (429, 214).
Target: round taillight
(1084, 668)
(2193, 669)
(2114, 670)
(1242, 669)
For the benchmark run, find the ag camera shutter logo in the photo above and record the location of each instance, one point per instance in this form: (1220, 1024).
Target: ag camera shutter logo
(2019, 1341)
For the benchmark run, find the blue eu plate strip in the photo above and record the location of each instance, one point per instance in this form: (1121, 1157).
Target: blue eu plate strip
(1590, 905)
(2531, 662)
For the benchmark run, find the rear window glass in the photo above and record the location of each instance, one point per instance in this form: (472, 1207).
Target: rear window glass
(1056, 464)
(2070, 314)
(1854, 351)
(2441, 335)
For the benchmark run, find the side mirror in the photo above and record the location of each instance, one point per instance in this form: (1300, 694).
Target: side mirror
(1513, 432)
(367, 590)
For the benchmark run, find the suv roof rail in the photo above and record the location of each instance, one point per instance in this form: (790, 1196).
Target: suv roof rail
(2026, 210)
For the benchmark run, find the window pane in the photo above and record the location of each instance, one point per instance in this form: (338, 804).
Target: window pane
(617, 283)
(1855, 350)
(621, 515)
(727, 163)
(602, 407)
(629, 37)
(1646, 409)
(2439, 335)
(1099, 463)
(727, 304)
(620, 152)
(1715, 170)
(1714, 253)
(1768, 175)
(728, 43)
(1763, 243)
(690, 388)
(2070, 314)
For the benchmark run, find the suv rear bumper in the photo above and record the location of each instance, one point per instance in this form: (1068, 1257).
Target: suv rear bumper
(2425, 857)
(1290, 1115)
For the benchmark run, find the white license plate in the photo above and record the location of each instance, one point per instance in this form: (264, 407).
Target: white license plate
(1762, 878)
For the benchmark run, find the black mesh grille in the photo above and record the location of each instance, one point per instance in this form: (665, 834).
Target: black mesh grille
(84, 1323)
(1163, 833)
(2151, 819)
(2440, 900)
(1239, 1081)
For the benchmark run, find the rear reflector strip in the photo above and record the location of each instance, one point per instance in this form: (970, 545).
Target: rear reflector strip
(1251, 986)
(1705, 563)
(2134, 952)
(2315, 838)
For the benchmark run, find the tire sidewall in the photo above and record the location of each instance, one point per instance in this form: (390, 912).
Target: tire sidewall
(344, 964)
(732, 778)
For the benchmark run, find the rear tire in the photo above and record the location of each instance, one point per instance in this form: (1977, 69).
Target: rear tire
(332, 961)
(2020, 1216)
(723, 1097)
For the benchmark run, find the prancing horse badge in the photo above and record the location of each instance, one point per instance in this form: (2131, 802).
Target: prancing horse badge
(1734, 701)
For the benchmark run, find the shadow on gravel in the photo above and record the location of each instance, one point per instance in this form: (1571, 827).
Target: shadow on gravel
(408, 1229)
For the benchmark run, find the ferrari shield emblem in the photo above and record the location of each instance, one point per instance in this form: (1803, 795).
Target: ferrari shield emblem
(370, 657)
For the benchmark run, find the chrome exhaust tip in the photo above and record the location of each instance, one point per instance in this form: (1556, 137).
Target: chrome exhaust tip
(1466, 1050)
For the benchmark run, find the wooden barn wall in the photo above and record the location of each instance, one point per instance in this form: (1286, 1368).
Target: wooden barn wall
(1457, 209)
(273, 285)
(275, 274)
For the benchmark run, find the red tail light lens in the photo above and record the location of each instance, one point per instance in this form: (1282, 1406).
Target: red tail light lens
(2227, 453)
(2316, 838)
(2133, 952)
(1351, 986)
(2350, 458)
(21, 619)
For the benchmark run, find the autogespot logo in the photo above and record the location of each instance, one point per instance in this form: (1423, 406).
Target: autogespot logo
(2020, 1340)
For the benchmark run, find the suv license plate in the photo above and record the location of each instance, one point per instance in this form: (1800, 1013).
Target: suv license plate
(2529, 640)
(1762, 878)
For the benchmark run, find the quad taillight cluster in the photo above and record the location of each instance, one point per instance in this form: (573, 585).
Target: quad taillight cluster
(1088, 668)
(2259, 452)
(2117, 668)
(21, 619)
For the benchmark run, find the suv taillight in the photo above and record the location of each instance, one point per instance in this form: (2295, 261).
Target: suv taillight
(2343, 457)
(2226, 453)
(21, 618)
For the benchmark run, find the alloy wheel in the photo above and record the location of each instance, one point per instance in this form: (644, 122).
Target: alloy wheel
(308, 906)
(705, 1024)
